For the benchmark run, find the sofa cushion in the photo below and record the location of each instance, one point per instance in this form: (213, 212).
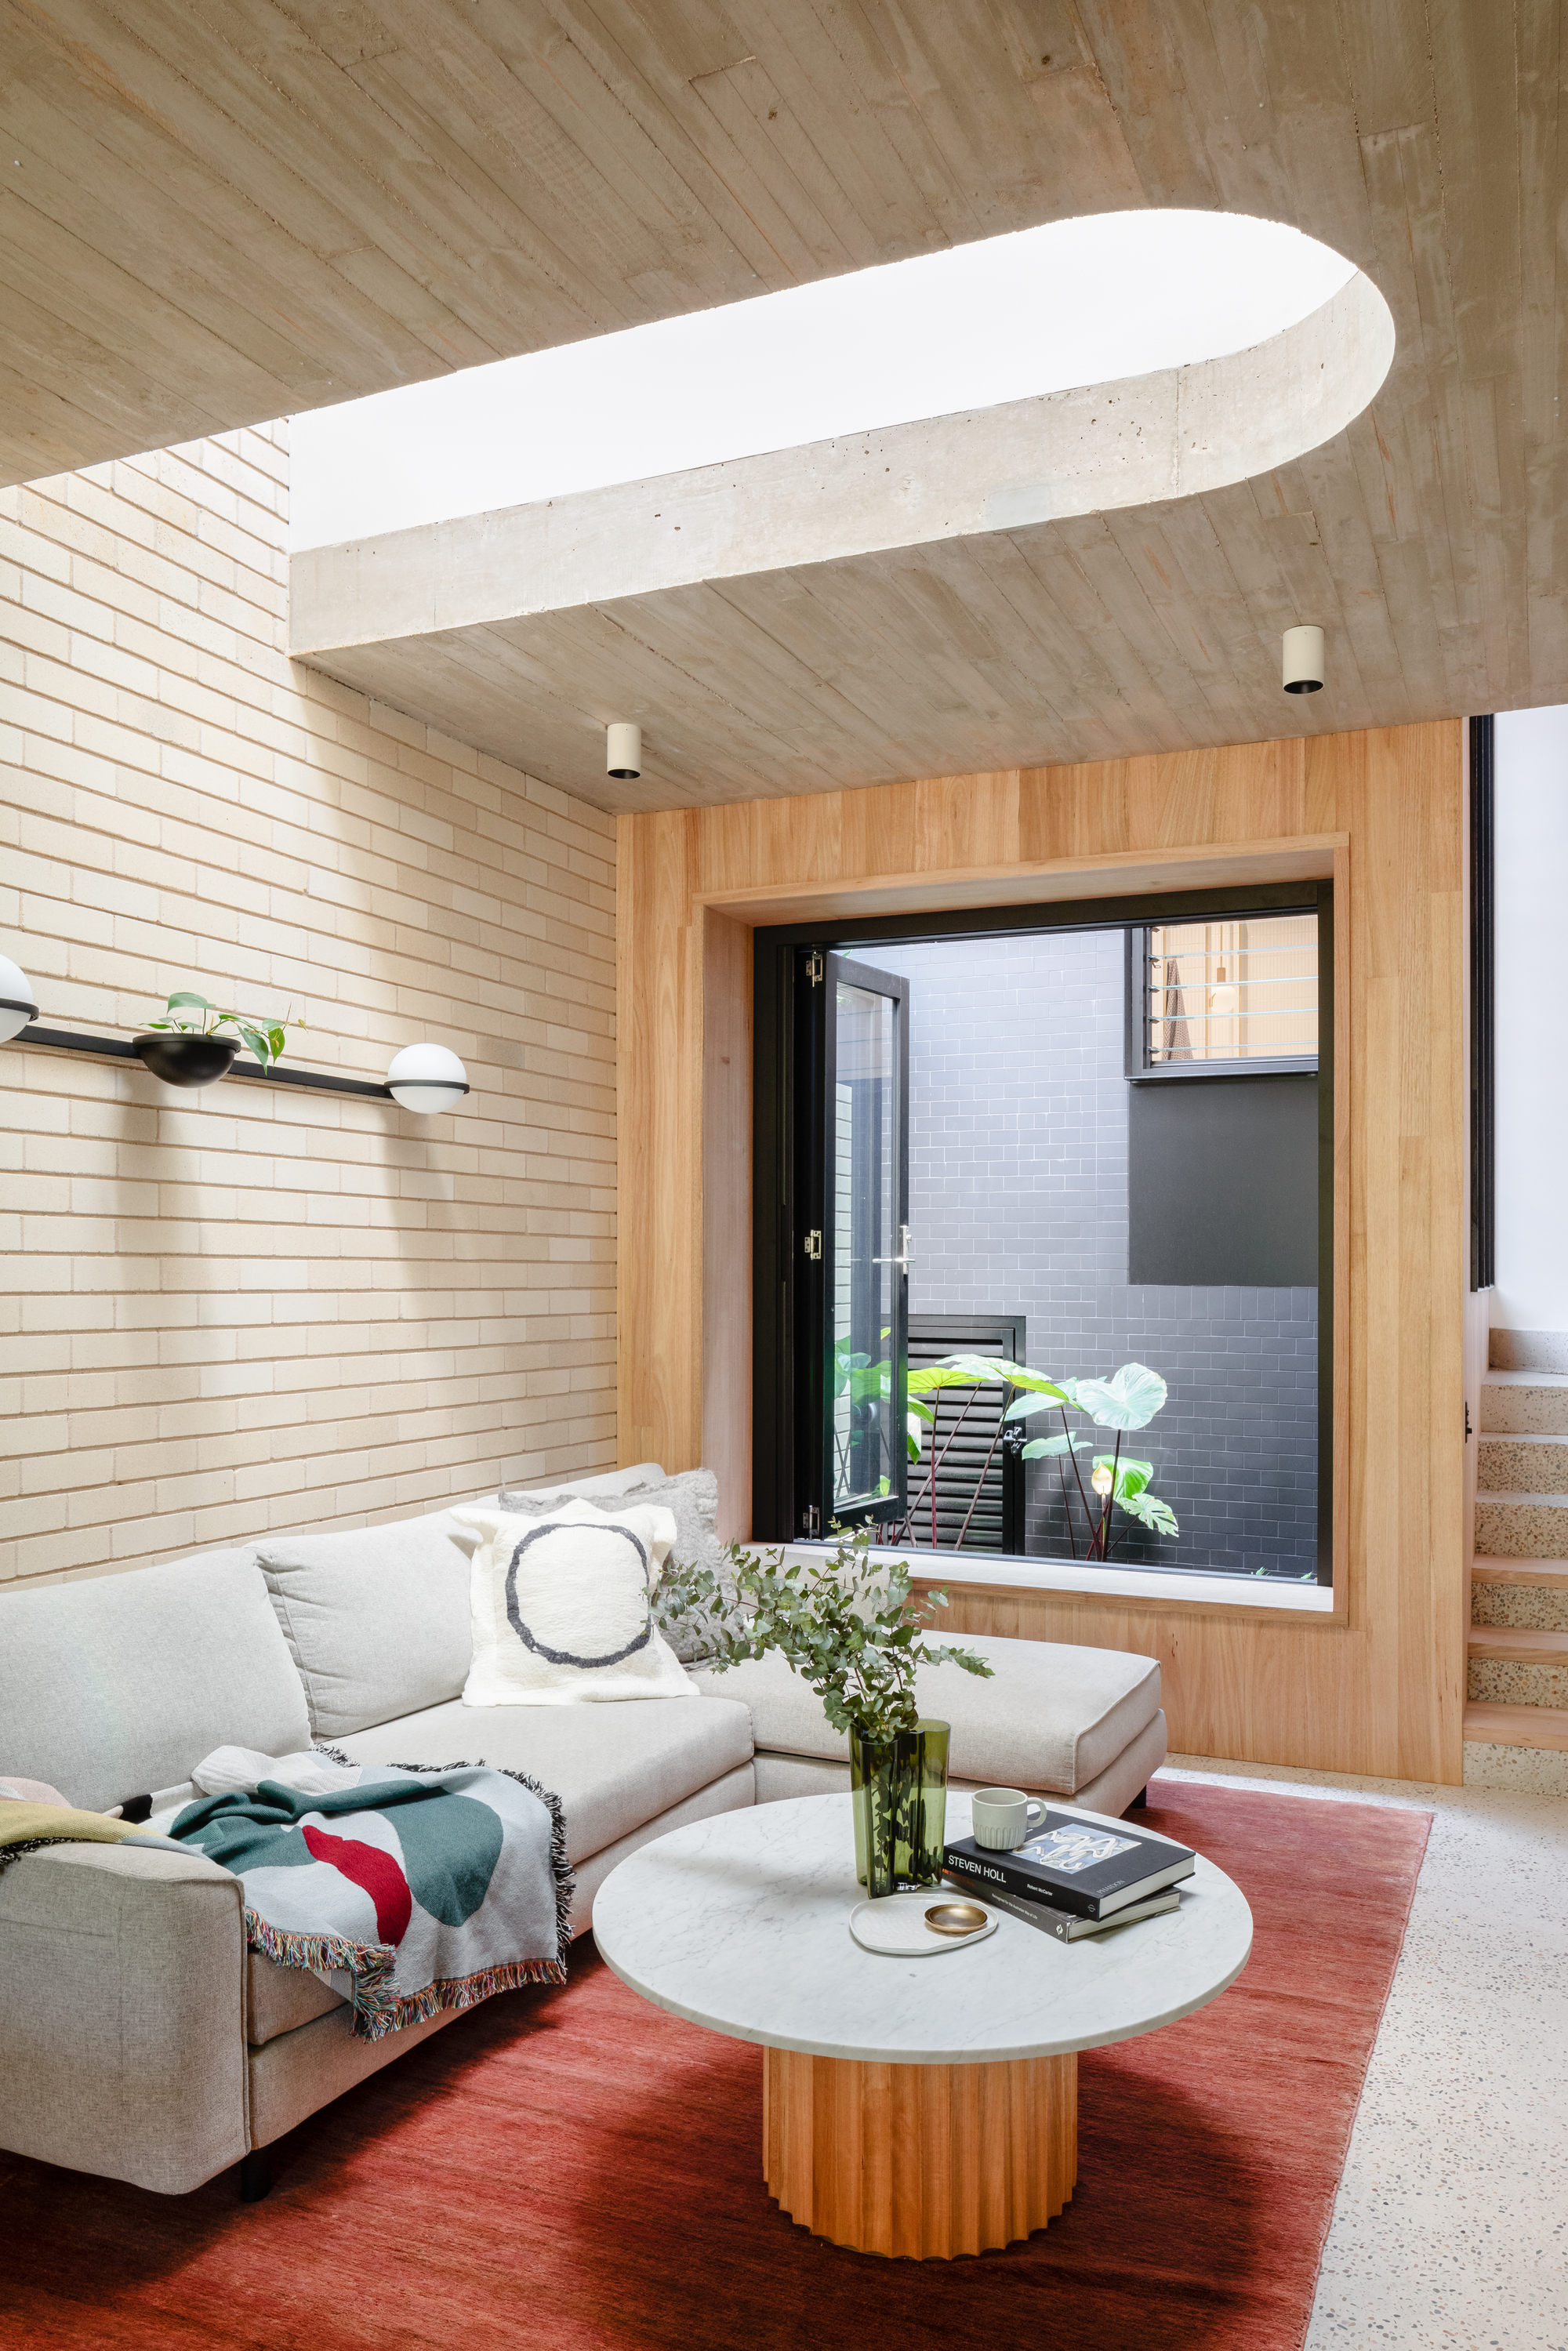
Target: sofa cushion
(376, 1618)
(119, 1684)
(613, 1767)
(1051, 1716)
(562, 1606)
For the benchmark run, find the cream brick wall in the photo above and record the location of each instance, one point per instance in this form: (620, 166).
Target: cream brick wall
(248, 1309)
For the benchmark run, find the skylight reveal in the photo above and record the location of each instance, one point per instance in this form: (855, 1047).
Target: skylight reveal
(1077, 302)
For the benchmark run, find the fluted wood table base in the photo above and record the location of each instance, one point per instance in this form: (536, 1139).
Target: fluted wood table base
(925, 2161)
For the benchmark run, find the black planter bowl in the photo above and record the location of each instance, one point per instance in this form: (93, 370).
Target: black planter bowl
(181, 1060)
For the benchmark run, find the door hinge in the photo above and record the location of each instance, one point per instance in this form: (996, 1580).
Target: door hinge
(1469, 1430)
(813, 1519)
(814, 966)
(814, 1246)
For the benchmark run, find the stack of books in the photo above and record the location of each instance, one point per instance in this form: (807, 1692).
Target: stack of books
(1073, 1876)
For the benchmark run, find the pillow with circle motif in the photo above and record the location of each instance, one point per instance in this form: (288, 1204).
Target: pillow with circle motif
(561, 1606)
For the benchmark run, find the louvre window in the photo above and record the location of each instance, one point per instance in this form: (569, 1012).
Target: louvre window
(1231, 993)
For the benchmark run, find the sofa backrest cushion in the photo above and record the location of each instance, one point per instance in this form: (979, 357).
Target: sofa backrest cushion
(376, 1618)
(119, 1685)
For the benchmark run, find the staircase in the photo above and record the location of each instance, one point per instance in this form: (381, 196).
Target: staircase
(1519, 1613)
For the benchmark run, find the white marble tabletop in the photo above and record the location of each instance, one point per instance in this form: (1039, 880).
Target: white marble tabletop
(741, 1923)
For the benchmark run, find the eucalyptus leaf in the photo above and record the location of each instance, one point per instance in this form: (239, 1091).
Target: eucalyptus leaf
(847, 1624)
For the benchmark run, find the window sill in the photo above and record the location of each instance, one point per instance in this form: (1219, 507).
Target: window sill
(1066, 1575)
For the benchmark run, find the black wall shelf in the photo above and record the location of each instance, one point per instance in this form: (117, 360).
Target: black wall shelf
(116, 1049)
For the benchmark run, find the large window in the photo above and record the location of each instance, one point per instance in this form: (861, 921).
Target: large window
(1068, 1203)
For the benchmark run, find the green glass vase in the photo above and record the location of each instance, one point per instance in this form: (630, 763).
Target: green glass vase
(899, 1793)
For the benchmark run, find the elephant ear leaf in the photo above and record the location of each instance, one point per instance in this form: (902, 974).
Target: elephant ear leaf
(1040, 1446)
(1131, 1476)
(1023, 1407)
(1153, 1513)
(1128, 1399)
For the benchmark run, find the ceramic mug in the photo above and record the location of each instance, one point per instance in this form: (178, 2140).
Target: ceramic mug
(1004, 1816)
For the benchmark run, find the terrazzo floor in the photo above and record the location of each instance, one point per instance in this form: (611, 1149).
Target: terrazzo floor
(1450, 2231)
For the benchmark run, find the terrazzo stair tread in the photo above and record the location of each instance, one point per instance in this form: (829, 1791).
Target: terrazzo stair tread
(1505, 1457)
(1551, 1573)
(1489, 1725)
(1523, 1644)
(1524, 1403)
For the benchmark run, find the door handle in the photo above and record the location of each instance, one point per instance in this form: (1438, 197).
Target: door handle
(905, 1251)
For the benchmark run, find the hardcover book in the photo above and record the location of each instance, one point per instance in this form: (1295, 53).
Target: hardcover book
(1065, 1925)
(1076, 1865)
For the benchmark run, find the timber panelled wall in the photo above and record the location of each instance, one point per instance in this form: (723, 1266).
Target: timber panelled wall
(1378, 1688)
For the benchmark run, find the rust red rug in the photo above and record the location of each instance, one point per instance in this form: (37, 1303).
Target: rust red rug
(572, 2168)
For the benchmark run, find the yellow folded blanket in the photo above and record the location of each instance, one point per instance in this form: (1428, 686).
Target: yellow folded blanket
(24, 1823)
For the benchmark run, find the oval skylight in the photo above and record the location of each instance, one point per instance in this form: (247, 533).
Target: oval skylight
(1086, 301)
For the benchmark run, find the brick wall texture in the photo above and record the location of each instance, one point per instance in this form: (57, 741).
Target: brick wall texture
(1019, 1204)
(253, 1309)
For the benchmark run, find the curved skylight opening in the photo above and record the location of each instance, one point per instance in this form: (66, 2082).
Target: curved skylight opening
(1083, 301)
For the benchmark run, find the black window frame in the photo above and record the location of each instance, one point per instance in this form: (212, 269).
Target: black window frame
(778, 1077)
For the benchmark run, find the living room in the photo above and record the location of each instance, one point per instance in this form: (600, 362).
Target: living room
(469, 929)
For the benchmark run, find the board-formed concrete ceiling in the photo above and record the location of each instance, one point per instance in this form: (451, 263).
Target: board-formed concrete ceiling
(212, 216)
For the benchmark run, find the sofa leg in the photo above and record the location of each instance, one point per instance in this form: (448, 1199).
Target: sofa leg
(254, 2175)
(1141, 1799)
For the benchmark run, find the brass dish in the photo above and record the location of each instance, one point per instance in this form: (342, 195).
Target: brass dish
(956, 1917)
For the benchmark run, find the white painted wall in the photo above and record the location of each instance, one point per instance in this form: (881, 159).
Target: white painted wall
(1532, 772)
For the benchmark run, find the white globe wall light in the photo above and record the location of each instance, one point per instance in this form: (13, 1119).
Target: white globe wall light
(16, 1005)
(623, 751)
(427, 1079)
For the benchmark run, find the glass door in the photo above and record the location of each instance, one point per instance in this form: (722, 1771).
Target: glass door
(865, 1243)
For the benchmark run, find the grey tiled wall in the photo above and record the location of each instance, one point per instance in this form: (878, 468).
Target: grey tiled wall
(1019, 1204)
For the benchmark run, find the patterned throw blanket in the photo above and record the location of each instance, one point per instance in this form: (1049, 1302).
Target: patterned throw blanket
(409, 1891)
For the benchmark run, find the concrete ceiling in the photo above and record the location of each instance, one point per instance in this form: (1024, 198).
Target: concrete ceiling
(212, 217)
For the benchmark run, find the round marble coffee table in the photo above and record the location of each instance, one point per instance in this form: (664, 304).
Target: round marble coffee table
(921, 2106)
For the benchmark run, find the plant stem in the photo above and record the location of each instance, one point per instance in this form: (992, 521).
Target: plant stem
(1088, 1505)
(980, 1487)
(1104, 1534)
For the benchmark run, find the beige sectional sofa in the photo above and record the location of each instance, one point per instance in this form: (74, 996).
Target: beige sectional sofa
(140, 2038)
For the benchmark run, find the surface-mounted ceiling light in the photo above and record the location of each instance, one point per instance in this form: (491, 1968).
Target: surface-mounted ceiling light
(623, 752)
(1303, 660)
(427, 1078)
(16, 1005)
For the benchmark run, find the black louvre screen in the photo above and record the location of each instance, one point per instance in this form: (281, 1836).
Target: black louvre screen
(979, 1498)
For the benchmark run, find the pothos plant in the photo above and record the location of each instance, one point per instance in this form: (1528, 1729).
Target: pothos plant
(193, 1016)
(850, 1628)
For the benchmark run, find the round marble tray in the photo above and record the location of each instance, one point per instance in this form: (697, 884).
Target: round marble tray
(896, 1926)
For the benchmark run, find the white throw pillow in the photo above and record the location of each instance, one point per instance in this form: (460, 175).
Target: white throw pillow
(560, 1606)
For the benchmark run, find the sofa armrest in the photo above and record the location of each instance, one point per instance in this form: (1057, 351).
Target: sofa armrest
(122, 2014)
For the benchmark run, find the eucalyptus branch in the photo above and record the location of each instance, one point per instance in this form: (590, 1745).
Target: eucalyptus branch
(851, 1630)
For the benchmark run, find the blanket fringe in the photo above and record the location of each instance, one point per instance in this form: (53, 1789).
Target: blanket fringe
(369, 1963)
(377, 2013)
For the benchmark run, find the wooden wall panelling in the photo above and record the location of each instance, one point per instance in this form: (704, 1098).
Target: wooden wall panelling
(724, 1116)
(1378, 1688)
